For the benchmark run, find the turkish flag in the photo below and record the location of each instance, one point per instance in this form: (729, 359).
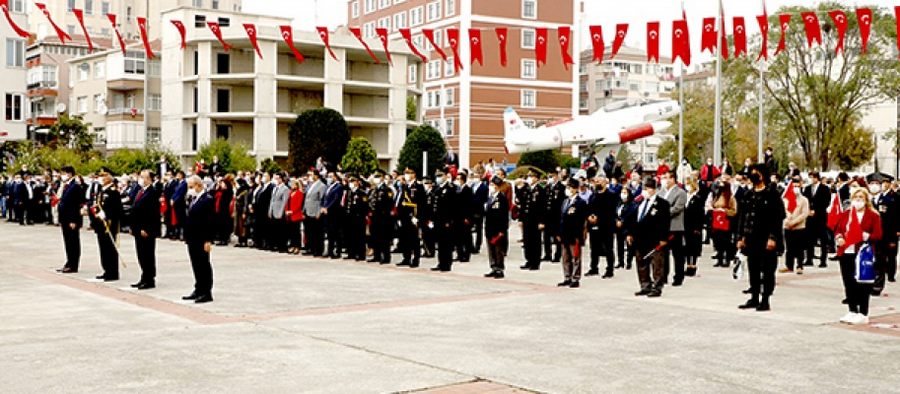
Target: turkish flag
(407, 36)
(840, 21)
(287, 33)
(63, 36)
(740, 36)
(813, 29)
(540, 47)
(835, 211)
(323, 34)
(564, 33)
(502, 34)
(708, 39)
(453, 39)
(653, 41)
(4, 5)
(763, 21)
(142, 25)
(597, 42)
(383, 36)
(785, 21)
(79, 14)
(181, 31)
(791, 199)
(217, 31)
(475, 46)
(251, 32)
(854, 234)
(681, 42)
(112, 20)
(429, 34)
(864, 16)
(621, 32)
(358, 34)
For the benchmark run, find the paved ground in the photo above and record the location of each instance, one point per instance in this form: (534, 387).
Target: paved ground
(289, 324)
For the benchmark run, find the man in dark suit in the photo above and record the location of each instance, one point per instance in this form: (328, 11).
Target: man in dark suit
(381, 203)
(496, 228)
(556, 194)
(145, 220)
(106, 218)
(333, 210)
(479, 199)
(602, 227)
(70, 219)
(21, 198)
(169, 185)
(464, 197)
(884, 199)
(571, 234)
(262, 201)
(648, 234)
(199, 234)
(178, 203)
(817, 222)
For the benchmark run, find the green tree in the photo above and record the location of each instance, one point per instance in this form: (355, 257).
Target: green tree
(71, 132)
(857, 148)
(129, 161)
(233, 157)
(360, 158)
(270, 166)
(423, 139)
(412, 109)
(545, 160)
(317, 132)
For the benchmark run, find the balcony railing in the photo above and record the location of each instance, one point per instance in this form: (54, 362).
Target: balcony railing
(42, 85)
(125, 111)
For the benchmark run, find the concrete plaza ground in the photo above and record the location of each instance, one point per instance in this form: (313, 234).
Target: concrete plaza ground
(290, 324)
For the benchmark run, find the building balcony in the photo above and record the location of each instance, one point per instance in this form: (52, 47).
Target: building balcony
(42, 120)
(125, 115)
(125, 84)
(42, 89)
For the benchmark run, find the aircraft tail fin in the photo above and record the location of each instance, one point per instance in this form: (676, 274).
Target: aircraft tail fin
(513, 128)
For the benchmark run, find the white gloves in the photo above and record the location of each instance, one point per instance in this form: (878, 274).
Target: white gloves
(101, 215)
(415, 221)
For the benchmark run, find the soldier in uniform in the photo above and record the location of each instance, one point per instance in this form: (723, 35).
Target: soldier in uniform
(444, 214)
(556, 194)
(145, 229)
(355, 224)
(412, 200)
(497, 228)
(884, 200)
(532, 210)
(105, 215)
(381, 203)
(426, 213)
(464, 218)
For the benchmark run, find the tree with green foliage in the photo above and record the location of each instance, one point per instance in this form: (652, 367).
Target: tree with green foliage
(129, 161)
(412, 109)
(545, 160)
(233, 157)
(71, 132)
(423, 139)
(317, 133)
(360, 158)
(270, 166)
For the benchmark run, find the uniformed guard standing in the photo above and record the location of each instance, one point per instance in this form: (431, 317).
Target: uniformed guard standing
(464, 218)
(381, 203)
(496, 228)
(885, 201)
(412, 197)
(426, 213)
(532, 214)
(556, 194)
(443, 219)
(355, 224)
(106, 214)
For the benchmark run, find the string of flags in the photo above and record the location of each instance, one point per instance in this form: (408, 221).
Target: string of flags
(681, 42)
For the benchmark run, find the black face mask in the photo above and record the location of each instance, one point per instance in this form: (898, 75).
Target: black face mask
(755, 178)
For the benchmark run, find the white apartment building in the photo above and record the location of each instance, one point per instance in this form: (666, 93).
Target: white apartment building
(118, 96)
(210, 93)
(13, 76)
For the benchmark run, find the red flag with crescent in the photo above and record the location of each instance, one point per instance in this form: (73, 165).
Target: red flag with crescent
(142, 25)
(407, 36)
(112, 20)
(708, 38)
(740, 36)
(864, 16)
(597, 42)
(840, 21)
(63, 36)
(653, 41)
(453, 39)
(621, 32)
(564, 33)
(323, 34)
(79, 15)
(4, 5)
(813, 28)
(358, 34)
(217, 31)
(502, 34)
(287, 33)
(540, 47)
(681, 42)
(383, 36)
(763, 21)
(429, 35)
(475, 47)
(251, 33)
(785, 21)
(181, 32)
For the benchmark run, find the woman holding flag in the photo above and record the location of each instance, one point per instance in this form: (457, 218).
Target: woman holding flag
(855, 230)
(795, 239)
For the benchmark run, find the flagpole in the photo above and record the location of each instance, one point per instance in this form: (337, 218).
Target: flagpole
(762, 105)
(717, 134)
(681, 103)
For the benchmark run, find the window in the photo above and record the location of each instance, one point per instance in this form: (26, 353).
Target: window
(382, 4)
(529, 98)
(155, 68)
(223, 63)
(434, 11)
(399, 1)
(104, 8)
(198, 3)
(89, 7)
(450, 66)
(527, 38)
(70, 29)
(135, 63)
(15, 53)
(17, 6)
(413, 74)
(448, 97)
(70, 5)
(82, 105)
(415, 16)
(199, 21)
(128, 14)
(433, 70)
(196, 101)
(193, 137)
(223, 100)
(98, 102)
(154, 134)
(529, 9)
(104, 32)
(583, 104)
(84, 71)
(449, 124)
(99, 70)
(223, 131)
(224, 22)
(450, 9)
(384, 23)
(529, 69)
(370, 6)
(155, 102)
(369, 30)
(44, 76)
(215, 4)
(196, 62)
(399, 21)
(433, 99)
(13, 105)
(354, 9)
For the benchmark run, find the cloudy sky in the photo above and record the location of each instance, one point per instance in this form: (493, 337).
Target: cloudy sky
(607, 13)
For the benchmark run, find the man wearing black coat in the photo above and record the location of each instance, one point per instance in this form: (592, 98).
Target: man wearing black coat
(105, 214)
(145, 220)
(759, 232)
(443, 216)
(464, 216)
(556, 194)
(532, 215)
(199, 234)
(410, 207)
(496, 228)
(479, 199)
(70, 220)
(817, 222)
(648, 234)
(884, 199)
(574, 211)
(601, 227)
(262, 200)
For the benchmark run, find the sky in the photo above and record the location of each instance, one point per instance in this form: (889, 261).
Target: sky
(333, 13)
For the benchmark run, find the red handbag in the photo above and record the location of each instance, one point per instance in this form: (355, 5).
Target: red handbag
(720, 221)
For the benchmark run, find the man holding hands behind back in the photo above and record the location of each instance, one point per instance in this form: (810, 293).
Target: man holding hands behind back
(199, 233)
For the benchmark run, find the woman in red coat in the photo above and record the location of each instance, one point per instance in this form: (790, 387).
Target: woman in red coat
(294, 214)
(859, 224)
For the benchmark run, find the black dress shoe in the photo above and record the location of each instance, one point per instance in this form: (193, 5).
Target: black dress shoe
(677, 283)
(499, 275)
(655, 293)
(592, 273)
(844, 301)
(750, 304)
(146, 286)
(203, 299)
(763, 306)
(823, 265)
(136, 285)
(67, 270)
(385, 262)
(100, 277)
(491, 275)
(525, 267)
(404, 264)
(745, 291)
(436, 269)
(546, 258)
(575, 285)
(111, 279)
(642, 292)
(607, 275)
(191, 297)
(564, 283)
(892, 279)
(372, 260)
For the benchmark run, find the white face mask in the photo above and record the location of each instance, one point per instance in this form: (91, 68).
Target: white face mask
(529, 181)
(570, 193)
(797, 191)
(875, 188)
(407, 177)
(645, 194)
(142, 183)
(624, 197)
(65, 177)
(492, 189)
(859, 204)
(193, 193)
(440, 180)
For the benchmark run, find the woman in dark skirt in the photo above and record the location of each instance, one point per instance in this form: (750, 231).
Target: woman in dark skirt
(694, 218)
(242, 215)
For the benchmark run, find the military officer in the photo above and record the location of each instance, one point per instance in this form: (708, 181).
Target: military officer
(412, 197)
(442, 219)
(556, 194)
(105, 215)
(355, 224)
(532, 210)
(429, 243)
(885, 200)
(381, 203)
(496, 228)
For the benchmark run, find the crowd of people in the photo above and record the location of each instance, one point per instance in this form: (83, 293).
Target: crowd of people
(657, 224)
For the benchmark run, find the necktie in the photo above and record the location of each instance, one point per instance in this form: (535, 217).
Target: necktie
(644, 209)
(140, 193)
